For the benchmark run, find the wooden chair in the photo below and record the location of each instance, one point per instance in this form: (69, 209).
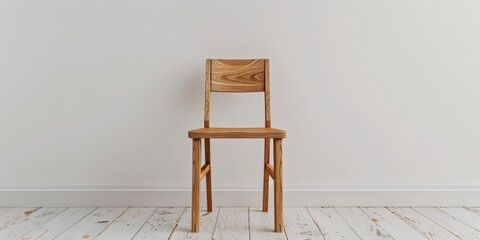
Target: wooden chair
(237, 76)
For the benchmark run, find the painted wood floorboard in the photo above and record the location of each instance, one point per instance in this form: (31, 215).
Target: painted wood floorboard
(450, 223)
(423, 225)
(2, 210)
(470, 218)
(58, 224)
(331, 224)
(207, 225)
(232, 223)
(93, 225)
(160, 225)
(392, 224)
(29, 223)
(362, 224)
(127, 225)
(13, 215)
(261, 225)
(301, 223)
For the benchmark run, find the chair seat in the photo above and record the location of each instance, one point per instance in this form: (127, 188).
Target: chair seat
(237, 133)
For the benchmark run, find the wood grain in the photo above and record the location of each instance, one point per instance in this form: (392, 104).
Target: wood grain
(450, 223)
(236, 133)
(266, 173)
(266, 157)
(239, 223)
(204, 170)
(232, 223)
(278, 184)
(197, 153)
(261, 225)
(468, 217)
(267, 94)
(429, 229)
(126, 226)
(160, 224)
(362, 224)
(237, 75)
(59, 224)
(392, 224)
(29, 223)
(208, 77)
(207, 221)
(14, 215)
(270, 171)
(93, 225)
(209, 175)
(332, 225)
(299, 225)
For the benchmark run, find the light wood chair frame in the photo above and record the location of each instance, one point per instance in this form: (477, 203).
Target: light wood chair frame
(275, 172)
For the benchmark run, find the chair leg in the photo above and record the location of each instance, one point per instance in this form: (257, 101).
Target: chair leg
(197, 151)
(208, 176)
(278, 183)
(266, 177)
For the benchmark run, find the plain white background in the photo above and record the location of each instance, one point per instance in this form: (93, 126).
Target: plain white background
(373, 94)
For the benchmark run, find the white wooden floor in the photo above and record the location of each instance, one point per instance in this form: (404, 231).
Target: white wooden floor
(350, 223)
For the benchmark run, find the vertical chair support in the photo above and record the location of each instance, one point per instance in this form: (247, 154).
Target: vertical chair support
(197, 153)
(277, 155)
(206, 123)
(268, 124)
(209, 175)
(266, 179)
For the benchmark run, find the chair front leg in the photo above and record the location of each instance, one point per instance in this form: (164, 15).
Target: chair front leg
(196, 156)
(278, 184)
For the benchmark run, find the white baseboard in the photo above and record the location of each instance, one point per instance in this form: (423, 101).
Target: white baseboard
(318, 196)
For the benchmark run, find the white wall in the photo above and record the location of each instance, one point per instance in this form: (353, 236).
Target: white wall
(373, 94)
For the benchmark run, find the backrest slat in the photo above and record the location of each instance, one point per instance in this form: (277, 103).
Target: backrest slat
(238, 75)
(245, 75)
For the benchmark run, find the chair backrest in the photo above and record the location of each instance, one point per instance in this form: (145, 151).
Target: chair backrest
(245, 75)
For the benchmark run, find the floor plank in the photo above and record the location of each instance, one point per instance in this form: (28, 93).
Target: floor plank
(207, 225)
(300, 225)
(422, 224)
(3, 210)
(350, 223)
(19, 228)
(15, 214)
(127, 225)
(262, 225)
(331, 224)
(93, 225)
(474, 209)
(232, 223)
(470, 218)
(450, 223)
(161, 224)
(362, 224)
(58, 224)
(393, 225)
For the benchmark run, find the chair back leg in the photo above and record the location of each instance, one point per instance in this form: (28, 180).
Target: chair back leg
(209, 175)
(266, 177)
